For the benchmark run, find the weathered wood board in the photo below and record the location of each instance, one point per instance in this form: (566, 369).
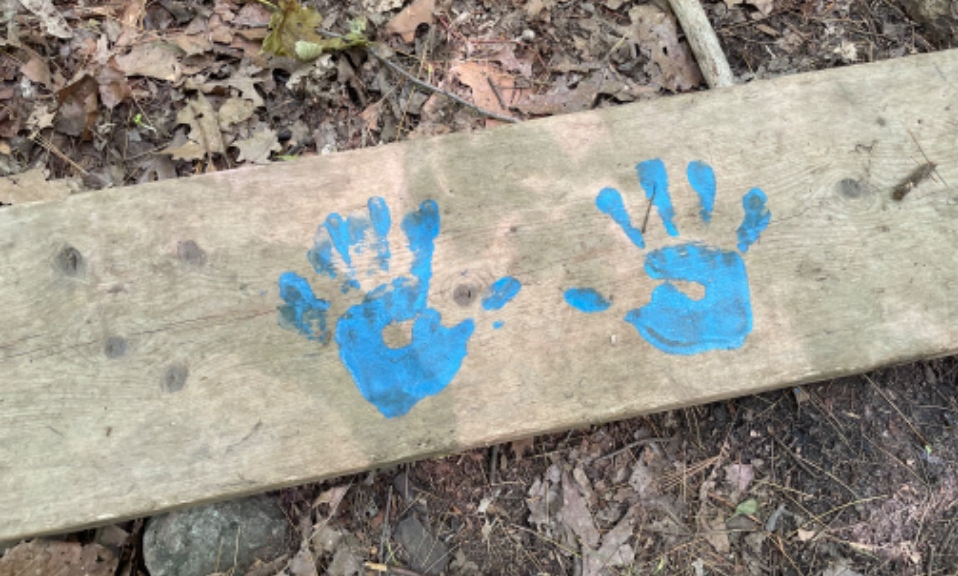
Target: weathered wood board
(173, 343)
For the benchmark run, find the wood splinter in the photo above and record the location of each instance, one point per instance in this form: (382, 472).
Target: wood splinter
(917, 176)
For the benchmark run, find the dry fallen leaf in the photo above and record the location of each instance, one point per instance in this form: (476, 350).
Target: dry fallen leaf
(204, 138)
(561, 99)
(615, 550)
(112, 85)
(54, 22)
(256, 149)
(485, 80)
(739, 476)
(78, 109)
(657, 36)
(32, 186)
(576, 515)
(764, 6)
(234, 111)
(37, 71)
(58, 559)
(406, 22)
(156, 60)
(519, 448)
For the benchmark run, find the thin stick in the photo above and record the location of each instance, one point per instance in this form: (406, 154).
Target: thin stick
(437, 90)
(389, 569)
(704, 43)
(925, 444)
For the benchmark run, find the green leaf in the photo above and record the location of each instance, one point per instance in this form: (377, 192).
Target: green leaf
(292, 32)
(747, 508)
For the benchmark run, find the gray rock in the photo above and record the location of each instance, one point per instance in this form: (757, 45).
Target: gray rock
(426, 553)
(939, 17)
(202, 540)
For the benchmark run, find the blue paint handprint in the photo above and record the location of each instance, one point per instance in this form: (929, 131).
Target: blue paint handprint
(671, 321)
(392, 379)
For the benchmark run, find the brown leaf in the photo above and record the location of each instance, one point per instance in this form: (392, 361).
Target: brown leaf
(257, 148)
(405, 23)
(32, 186)
(155, 60)
(205, 137)
(576, 515)
(561, 99)
(112, 85)
(520, 447)
(54, 22)
(58, 559)
(657, 35)
(36, 71)
(77, 112)
(507, 58)
(252, 15)
(485, 80)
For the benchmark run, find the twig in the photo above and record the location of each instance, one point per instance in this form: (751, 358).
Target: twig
(704, 43)
(495, 90)
(436, 90)
(925, 444)
(630, 446)
(386, 525)
(494, 465)
(389, 569)
(51, 148)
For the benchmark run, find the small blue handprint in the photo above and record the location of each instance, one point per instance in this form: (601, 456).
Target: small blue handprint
(392, 379)
(671, 321)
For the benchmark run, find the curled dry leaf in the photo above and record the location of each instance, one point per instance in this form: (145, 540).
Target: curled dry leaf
(155, 60)
(405, 23)
(53, 22)
(78, 108)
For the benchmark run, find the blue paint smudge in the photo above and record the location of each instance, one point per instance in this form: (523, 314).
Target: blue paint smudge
(498, 324)
(501, 293)
(395, 379)
(756, 218)
(672, 321)
(610, 202)
(321, 257)
(702, 178)
(379, 213)
(302, 310)
(392, 379)
(586, 300)
(655, 182)
(677, 324)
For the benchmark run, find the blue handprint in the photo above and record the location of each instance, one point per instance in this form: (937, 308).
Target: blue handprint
(392, 379)
(671, 321)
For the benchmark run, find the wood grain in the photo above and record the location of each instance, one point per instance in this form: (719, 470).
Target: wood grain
(143, 367)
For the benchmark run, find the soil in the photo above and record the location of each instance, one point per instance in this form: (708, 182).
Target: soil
(853, 476)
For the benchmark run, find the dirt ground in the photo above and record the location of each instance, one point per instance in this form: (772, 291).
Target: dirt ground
(853, 476)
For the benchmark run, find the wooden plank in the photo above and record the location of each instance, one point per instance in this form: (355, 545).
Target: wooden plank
(144, 364)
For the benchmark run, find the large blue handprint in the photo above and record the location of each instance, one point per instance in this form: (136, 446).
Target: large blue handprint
(393, 379)
(671, 321)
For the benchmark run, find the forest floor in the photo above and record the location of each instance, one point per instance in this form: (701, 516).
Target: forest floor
(853, 476)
